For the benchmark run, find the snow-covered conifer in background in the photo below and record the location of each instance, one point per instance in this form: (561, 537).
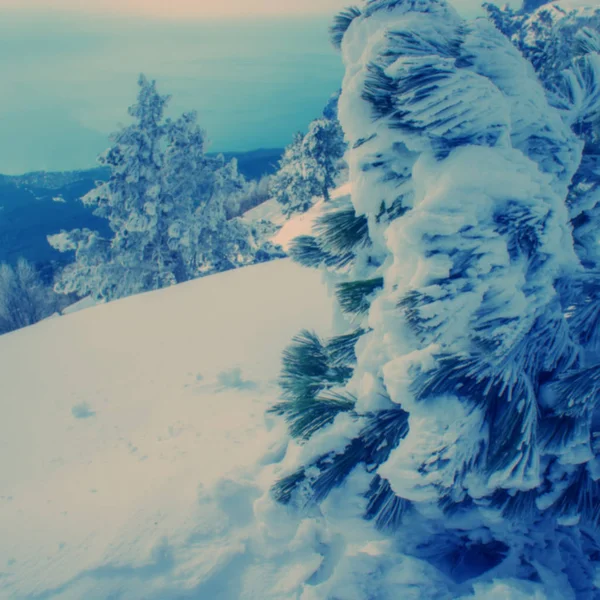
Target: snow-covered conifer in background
(165, 203)
(291, 186)
(457, 407)
(324, 148)
(310, 164)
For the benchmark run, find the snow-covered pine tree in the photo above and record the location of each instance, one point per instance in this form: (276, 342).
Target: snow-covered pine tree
(164, 202)
(137, 258)
(323, 148)
(458, 409)
(201, 238)
(291, 186)
(310, 164)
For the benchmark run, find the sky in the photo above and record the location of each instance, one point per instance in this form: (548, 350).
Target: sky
(68, 80)
(184, 8)
(177, 9)
(69, 70)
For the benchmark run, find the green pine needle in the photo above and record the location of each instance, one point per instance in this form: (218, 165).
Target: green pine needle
(354, 295)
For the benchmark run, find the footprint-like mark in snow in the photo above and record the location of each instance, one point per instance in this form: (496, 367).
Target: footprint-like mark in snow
(83, 411)
(234, 379)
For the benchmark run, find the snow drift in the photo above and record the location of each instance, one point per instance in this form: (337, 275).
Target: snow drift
(116, 418)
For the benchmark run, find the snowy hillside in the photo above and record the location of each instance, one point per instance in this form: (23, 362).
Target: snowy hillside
(116, 418)
(300, 224)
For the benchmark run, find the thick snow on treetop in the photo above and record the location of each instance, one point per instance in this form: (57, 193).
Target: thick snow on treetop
(115, 418)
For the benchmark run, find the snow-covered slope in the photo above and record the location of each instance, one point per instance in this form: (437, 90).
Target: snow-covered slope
(115, 418)
(301, 224)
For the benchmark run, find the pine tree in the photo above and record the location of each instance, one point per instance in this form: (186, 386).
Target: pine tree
(310, 164)
(291, 186)
(165, 204)
(459, 408)
(323, 148)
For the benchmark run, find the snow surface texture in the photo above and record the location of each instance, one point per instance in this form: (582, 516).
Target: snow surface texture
(131, 433)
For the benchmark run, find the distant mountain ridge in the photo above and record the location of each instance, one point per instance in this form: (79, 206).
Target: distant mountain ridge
(253, 164)
(53, 180)
(40, 203)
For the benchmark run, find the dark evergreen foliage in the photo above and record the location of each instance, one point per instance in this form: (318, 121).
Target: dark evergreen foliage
(342, 348)
(385, 509)
(519, 507)
(381, 434)
(379, 91)
(306, 251)
(395, 211)
(340, 231)
(305, 416)
(531, 5)
(557, 433)
(337, 235)
(340, 25)
(581, 296)
(411, 307)
(306, 368)
(546, 348)
(354, 296)
(311, 370)
(285, 487)
(575, 393)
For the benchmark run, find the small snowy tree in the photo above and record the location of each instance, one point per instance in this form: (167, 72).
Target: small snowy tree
(164, 202)
(324, 148)
(310, 165)
(291, 186)
(457, 407)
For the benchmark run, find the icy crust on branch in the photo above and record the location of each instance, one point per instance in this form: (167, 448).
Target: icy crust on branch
(464, 437)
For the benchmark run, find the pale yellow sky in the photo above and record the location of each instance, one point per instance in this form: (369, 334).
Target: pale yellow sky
(178, 9)
(182, 8)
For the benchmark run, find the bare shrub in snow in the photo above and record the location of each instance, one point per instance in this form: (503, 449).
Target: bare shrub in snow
(24, 298)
